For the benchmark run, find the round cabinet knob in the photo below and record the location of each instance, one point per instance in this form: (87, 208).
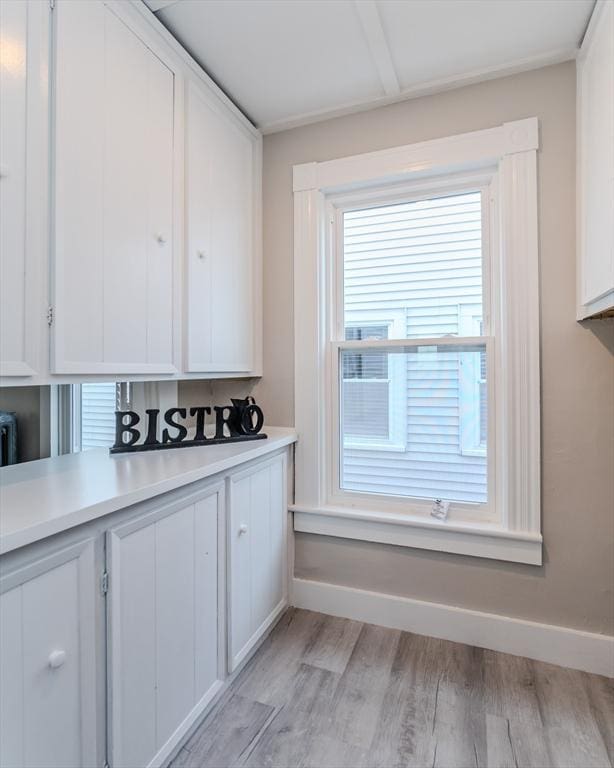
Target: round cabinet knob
(242, 529)
(201, 254)
(161, 238)
(56, 659)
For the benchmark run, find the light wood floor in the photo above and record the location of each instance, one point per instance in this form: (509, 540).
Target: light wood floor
(326, 692)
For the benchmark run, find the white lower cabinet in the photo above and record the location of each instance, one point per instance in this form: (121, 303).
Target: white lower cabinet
(163, 625)
(165, 597)
(48, 661)
(257, 550)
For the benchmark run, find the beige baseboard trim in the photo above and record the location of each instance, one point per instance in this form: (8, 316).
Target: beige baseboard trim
(587, 651)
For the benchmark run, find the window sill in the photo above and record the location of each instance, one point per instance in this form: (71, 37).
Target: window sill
(478, 540)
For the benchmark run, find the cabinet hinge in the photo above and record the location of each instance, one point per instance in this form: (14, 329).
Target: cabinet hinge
(50, 315)
(104, 582)
(52, 4)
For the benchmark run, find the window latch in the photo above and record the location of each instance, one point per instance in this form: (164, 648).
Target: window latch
(440, 509)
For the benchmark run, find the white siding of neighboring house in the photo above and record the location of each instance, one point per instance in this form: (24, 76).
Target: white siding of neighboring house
(98, 403)
(419, 262)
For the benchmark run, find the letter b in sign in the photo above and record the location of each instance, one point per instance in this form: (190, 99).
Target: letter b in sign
(122, 428)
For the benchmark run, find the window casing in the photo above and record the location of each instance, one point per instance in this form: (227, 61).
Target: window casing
(498, 368)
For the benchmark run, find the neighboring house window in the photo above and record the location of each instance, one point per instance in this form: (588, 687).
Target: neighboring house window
(374, 406)
(416, 318)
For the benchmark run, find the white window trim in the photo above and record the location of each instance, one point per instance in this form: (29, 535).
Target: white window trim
(397, 427)
(515, 533)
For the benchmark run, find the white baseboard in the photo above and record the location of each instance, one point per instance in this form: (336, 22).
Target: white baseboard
(587, 651)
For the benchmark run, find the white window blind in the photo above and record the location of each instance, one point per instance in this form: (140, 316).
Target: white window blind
(421, 260)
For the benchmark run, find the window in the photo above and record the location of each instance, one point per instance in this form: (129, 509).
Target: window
(416, 345)
(85, 414)
(418, 259)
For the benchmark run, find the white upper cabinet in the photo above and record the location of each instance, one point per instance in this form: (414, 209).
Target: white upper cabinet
(23, 178)
(115, 249)
(130, 202)
(596, 165)
(222, 194)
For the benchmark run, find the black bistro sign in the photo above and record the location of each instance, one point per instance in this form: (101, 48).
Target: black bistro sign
(234, 423)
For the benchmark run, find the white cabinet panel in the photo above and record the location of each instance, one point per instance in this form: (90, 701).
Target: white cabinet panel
(220, 205)
(114, 179)
(596, 164)
(47, 706)
(11, 674)
(164, 625)
(257, 547)
(207, 626)
(176, 553)
(23, 30)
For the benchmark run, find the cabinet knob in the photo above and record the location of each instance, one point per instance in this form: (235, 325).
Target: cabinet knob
(161, 238)
(56, 659)
(242, 529)
(201, 254)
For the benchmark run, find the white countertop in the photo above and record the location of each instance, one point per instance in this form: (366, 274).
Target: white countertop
(42, 498)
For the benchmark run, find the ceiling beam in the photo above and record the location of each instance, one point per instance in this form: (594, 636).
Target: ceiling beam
(371, 23)
(158, 5)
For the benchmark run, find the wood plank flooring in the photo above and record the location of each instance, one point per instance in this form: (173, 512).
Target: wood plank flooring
(323, 692)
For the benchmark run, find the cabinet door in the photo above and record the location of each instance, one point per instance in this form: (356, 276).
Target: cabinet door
(257, 544)
(164, 607)
(23, 31)
(47, 663)
(114, 233)
(220, 197)
(596, 161)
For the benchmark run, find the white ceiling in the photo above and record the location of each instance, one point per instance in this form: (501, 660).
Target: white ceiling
(288, 62)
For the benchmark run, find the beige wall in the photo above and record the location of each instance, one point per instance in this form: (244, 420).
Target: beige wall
(575, 586)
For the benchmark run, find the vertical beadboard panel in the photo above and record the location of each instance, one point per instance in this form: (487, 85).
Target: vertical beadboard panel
(206, 605)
